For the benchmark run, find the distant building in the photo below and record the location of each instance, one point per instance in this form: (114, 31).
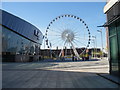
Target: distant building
(112, 10)
(68, 52)
(21, 41)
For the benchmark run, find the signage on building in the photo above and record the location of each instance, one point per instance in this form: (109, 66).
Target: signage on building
(37, 33)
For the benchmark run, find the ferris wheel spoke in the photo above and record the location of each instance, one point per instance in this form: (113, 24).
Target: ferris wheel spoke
(77, 45)
(53, 39)
(63, 26)
(57, 26)
(54, 35)
(81, 34)
(82, 38)
(57, 42)
(55, 31)
(78, 33)
(60, 28)
(67, 25)
(80, 42)
(77, 29)
(71, 21)
(60, 23)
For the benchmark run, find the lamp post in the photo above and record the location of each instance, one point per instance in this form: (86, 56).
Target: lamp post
(101, 42)
(44, 38)
(93, 51)
(95, 45)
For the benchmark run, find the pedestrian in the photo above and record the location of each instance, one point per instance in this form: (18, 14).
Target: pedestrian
(73, 58)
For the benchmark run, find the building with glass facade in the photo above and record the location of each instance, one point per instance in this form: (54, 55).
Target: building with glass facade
(112, 9)
(21, 41)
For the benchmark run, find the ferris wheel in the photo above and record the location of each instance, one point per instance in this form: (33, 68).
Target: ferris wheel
(68, 32)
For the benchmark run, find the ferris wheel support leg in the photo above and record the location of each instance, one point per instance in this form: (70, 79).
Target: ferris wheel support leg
(62, 49)
(75, 51)
(60, 53)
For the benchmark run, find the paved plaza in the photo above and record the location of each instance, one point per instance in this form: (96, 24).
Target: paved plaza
(69, 74)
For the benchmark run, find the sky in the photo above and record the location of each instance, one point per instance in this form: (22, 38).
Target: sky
(40, 14)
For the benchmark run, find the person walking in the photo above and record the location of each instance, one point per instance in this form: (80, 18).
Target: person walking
(72, 57)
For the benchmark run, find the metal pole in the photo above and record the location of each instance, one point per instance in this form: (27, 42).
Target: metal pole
(102, 43)
(93, 52)
(44, 49)
(94, 41)
(96, 47)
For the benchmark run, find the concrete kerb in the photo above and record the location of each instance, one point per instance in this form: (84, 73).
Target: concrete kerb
(111, 78)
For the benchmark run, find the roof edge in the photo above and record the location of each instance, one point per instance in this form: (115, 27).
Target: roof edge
(109, 5)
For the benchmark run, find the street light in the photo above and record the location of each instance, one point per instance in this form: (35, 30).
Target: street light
(101, 41)
(95, 45)
(93, 51)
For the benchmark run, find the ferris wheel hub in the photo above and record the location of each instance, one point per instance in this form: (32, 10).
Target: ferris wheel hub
(68, 35)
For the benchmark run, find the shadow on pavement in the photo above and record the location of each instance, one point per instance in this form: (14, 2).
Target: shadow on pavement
(54, 79)
(51, 60)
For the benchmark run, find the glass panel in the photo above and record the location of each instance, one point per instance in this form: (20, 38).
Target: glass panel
(15, 44)
(118, 34)
(113, 48)
(114, 53)
(112, 30)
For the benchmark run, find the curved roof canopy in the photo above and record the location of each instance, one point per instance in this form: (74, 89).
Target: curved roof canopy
(21, 27)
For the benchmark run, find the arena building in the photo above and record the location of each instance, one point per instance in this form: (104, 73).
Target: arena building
(21, 41)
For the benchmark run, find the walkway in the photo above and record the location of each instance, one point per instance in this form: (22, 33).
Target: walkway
(80, 74)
